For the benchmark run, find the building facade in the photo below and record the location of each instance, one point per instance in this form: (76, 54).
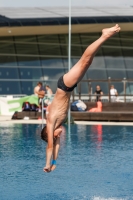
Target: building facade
(36, 49)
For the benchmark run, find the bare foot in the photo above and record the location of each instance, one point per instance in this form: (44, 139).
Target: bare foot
(109, 32)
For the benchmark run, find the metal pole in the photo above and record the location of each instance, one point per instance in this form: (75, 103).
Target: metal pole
(42, 113)
(69, 57)
(109, 79)
(124, 88)
(89, 83)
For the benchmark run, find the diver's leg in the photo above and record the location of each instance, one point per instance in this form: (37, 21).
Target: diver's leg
(78, 70)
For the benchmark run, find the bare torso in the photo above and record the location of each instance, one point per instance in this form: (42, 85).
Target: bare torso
(59, 107)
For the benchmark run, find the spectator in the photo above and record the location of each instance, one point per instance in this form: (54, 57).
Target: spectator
(36, 88)
(98, 93)
(40, 92)
(113, 93)
(48, 89)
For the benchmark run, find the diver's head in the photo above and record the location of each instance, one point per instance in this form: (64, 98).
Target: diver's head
(44, 135)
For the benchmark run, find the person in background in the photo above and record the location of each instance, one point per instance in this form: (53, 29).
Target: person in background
(41, 94)
(39, 90)
(113, 93)
(48, 89)
(98, 93)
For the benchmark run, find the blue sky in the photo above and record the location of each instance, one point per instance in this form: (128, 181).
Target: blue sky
(51, 3)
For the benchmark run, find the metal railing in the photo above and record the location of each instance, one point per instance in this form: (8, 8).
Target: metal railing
(105, 97)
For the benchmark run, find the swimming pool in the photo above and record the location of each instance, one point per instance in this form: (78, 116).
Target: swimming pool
(95, 163)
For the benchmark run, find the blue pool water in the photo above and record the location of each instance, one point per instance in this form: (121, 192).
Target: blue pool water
(95, 163)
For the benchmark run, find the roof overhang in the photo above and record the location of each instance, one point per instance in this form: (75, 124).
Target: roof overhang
(59, 29)
(39, 21)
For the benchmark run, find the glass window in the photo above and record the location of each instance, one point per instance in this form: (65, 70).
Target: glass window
(117, 74)
(7, 52)
(98, 61)
(88, 38)
(114, 62)
(65, 63)
(52, 39)
(50, 49)
(76, 49)
(52, 63)
(27, 87)
(8, 60)
(9, 73)
(10, 87)
(52, 74)
(129, 74)
(129, 88)
(113, 53)
(129, 60)
(114, 59)
(27, 50)
(126, 39)
(74, 61)
(30, 73)
(63, 39)
(113, 41)
(96, 74)
(84, 88)
(49, 45)
(28, 61)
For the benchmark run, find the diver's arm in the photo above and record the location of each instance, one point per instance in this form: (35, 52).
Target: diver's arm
(56, 150)
(49, 149)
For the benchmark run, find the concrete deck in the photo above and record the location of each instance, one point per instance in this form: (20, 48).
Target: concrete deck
(8, 120)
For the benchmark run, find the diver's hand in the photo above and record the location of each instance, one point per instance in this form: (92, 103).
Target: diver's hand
(47, 169)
